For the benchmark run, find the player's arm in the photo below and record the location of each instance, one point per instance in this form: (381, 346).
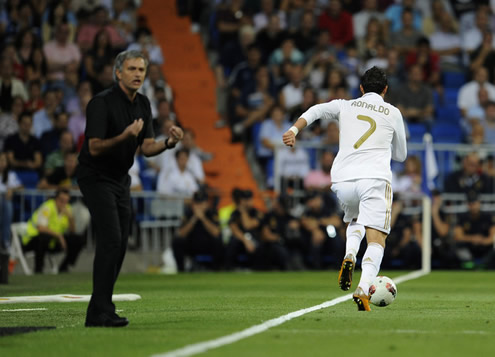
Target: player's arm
(319, 111)
(399, 143)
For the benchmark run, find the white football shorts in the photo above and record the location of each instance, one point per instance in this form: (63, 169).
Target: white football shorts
(368, 201)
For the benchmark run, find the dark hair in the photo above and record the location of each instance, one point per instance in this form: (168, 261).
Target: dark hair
(60, 191)
(236, 195)
(374, 80)
(180, 151)
(24, 114)
(51, 13)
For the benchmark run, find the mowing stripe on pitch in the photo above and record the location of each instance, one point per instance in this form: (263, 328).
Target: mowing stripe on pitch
(20, 310)
(201, 347)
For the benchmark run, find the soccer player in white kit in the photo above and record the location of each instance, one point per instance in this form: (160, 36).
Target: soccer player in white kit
(371, 134)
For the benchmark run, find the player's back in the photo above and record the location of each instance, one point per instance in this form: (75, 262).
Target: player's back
(368, 126)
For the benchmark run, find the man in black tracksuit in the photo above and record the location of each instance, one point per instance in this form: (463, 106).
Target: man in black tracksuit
(118, 123)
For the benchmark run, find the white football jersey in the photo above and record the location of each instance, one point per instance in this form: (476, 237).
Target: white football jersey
(371, 134)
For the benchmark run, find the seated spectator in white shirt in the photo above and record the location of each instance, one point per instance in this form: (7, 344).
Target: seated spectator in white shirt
(468, 93)
(472, 38)
(291, 94)
(446, 41)
(271, 132)
(320, 178)
(260, 19)
(178, 182)
(292, 166)
(166, 162)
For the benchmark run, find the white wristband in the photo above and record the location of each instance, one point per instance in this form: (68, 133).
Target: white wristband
(294, 130)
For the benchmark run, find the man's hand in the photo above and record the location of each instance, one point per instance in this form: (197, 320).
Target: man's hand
(175, 134)
(289, 138)
(135, 128)
(61, 239)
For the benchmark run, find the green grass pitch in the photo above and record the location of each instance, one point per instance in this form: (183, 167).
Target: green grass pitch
(441, 314)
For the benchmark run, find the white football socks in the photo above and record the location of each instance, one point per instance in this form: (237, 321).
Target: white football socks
(354, 234)
(370, 265)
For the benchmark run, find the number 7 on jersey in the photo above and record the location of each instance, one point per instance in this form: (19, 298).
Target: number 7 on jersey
(368, 133)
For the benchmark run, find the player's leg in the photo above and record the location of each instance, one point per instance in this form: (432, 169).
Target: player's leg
(346, 193)
(354, 235)
(374, 213)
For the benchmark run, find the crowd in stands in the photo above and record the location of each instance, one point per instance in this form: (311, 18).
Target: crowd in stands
(275, 59)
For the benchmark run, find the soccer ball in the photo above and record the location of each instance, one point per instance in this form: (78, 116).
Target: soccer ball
(382, 291)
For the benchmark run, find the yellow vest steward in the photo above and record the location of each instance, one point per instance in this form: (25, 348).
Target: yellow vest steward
(56, 222)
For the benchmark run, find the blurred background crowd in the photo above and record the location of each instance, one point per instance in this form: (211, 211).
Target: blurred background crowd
(272, 61)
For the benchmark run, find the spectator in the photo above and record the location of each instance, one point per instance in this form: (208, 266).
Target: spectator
(25, 44)
(473, 38)
(468, 93)
(100, 54)
(55, 159)
(244, 224)
(261, 19)
(64, 176)
(165, 162)
(291, 94)
(395, 19)
(488, 123)
(415, 99)
(8, 184)
(292, 165)
(254, 105)
(153, 81)
(55, 15)
(443, 245)
(308, 100)
(20, 17)
(243, 76)
(434, 16)
(307, 33)
(36, 68)
(474, 232)
(60, 53)
(271, 37)
(98, 21)
(123, 18)
(338, 23)
(134, 173)
(332, 135)
(428, 60)
(270, 134)
(286, 53)
(77, 121)
(51, 229)
(374, 35)
(319, 58)
(236, 52)
(199, 233)
(319, 232)
(104, 79)
(484, 56)
(362, 19)
(230, 18)
(446, 42)
(10, 86)
(178, 182)
(334, 79)
(75, 104)
(320, 179)
(35, 101)
(409, 180)
(50, 139)
(147, 44)
(469, 177)
(9, 121)
(24, 150)
(405, 39)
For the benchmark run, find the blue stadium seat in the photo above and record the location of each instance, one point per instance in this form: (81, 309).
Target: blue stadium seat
(447, 133)
(448, 114)
(450, 95)
(453, 79)
(29, 179)
(416, 132)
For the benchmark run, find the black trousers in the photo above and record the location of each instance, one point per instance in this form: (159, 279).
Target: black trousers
(109, 204)
(41, 246)
(194, 245)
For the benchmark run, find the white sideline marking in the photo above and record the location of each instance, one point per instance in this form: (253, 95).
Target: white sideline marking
(17, 310)
(63, 298)
(201, 347)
